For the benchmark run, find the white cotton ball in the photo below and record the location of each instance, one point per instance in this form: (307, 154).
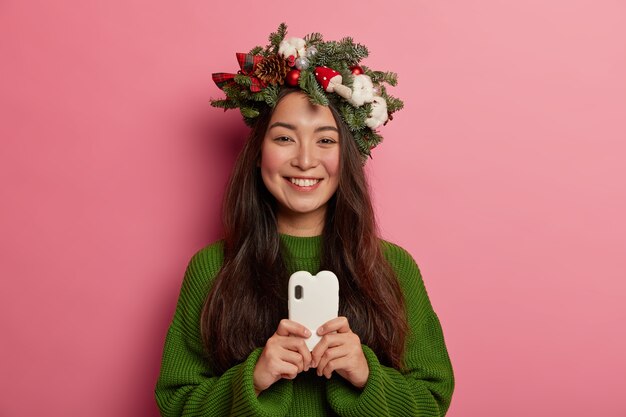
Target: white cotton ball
(298, 43)
(291, 46)
(362, 90)
(286, 50)
(378, 115)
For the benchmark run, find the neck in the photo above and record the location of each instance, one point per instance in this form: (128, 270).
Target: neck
(303, 225)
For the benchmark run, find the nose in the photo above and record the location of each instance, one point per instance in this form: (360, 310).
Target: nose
(306, 156)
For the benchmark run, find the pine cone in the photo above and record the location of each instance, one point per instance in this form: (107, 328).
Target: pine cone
(272, 70)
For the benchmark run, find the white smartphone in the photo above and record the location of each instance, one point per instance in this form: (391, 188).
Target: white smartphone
(313, 300)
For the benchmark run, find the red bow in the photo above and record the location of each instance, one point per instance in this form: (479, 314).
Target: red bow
(248, 64)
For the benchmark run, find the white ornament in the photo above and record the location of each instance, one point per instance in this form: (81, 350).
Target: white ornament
(378, 116)
(291, 46)
(362, 90)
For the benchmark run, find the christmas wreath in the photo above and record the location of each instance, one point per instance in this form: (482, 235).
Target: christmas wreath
(325, 70)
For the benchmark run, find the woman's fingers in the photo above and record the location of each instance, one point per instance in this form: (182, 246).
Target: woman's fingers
(293, 358)
(286, 330)
(293, 349)
(298, 345)
(348, 361)
(334, 346)
(291, 328)
(339, 325)
(356, 372)
(329, 356)
(340, 351)
(288, 370)
(328, 341)
(271, 367)
(285, 355)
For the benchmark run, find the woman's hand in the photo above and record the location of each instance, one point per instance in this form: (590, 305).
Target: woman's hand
(341, 352)
(285, 355)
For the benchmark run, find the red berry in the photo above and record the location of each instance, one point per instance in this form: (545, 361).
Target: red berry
(356, 70)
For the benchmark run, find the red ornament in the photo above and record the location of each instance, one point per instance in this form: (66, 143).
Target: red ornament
(292, 77)
(356, 70)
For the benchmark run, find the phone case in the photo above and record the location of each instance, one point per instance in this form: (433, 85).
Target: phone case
(315, 302)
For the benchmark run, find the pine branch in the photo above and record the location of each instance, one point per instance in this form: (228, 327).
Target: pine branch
(361, 142)
(354, 116)
(313, 38)
(388, 77)
(256, 50)
(259, 97)
(373, 139)
(340, 54)
(249, 121)
(354, 52)
(277, 37)
(326, 54)
(224, 104)
(249, 112)
(309, 85)
(232, 91)
(270, 95)
(346, 76)
(243, 80)
(394, 104)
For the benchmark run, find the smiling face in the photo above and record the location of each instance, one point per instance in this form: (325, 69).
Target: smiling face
(300, 163)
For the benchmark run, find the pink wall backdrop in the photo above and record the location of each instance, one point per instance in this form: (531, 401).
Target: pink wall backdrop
(504, 177)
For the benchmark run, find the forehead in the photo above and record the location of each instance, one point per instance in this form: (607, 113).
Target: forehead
(295, 108)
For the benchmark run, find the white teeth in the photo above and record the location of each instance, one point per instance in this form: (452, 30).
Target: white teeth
(301, 182)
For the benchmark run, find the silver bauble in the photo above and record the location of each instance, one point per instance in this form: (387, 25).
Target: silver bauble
(302, 63)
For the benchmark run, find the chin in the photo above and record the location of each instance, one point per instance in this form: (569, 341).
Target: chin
(303, 210)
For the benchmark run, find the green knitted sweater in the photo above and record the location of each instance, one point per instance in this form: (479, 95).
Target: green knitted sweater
(187, 386)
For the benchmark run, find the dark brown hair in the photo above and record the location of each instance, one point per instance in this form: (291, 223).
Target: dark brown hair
(249, 293)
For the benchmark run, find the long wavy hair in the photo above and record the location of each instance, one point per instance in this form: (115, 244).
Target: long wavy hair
(249, 295)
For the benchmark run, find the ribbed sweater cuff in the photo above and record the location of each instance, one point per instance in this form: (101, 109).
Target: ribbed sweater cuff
(349, 401)
(274, 401)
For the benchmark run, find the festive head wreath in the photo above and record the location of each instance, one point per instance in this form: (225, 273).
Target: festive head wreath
(325, 71)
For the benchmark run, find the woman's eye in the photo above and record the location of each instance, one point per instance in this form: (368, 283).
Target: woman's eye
(283, 139)
(327, 141)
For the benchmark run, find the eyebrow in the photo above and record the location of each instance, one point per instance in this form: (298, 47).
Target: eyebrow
(292, 127)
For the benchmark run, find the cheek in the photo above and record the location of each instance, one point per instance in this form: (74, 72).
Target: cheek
(331, 162)
(270, 161)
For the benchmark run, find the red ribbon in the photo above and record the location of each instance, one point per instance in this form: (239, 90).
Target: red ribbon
(247, 63)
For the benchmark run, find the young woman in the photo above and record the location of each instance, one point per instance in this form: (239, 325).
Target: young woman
(298, 200)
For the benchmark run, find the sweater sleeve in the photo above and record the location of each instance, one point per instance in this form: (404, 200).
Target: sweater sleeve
(187, 386)
(424, 387)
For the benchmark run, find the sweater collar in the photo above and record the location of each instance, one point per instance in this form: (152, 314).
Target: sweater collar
(302, 247)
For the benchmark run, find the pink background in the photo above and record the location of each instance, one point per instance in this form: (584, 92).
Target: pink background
(504, 177)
